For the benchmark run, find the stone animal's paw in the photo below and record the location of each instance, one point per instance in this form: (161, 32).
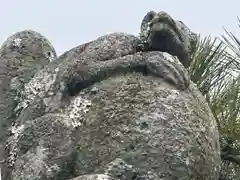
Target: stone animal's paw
(172, 72)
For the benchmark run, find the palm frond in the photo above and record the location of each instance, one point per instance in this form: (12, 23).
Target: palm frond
(209, 65)
(212, 70)
(233, 44)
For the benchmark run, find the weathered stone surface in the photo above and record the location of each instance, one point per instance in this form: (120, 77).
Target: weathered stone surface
(43, 142)
(159, 31)
(104, 110)
(21, 55)
(132, 117)
(94, 177)
(92, 62)
(118, 169)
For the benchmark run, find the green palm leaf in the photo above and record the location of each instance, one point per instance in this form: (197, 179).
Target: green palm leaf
(213, 69)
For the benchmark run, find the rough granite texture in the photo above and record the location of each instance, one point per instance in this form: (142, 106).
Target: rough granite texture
(21, 55)
(161, 32)
(108, 109)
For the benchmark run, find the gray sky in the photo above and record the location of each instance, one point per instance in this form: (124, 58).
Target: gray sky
(68, 23)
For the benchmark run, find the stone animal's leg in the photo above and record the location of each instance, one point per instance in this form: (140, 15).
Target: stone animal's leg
(85, 76)
(155, 65)
(172, 72)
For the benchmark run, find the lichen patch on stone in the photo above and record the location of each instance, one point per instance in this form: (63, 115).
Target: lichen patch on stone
(34, 164)
(169, 57)
(50, 56)
(12, 143)
(38, 86)
(77, 108)
(17, 42)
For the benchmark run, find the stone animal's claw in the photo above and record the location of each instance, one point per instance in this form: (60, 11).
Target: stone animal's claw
(172, 72)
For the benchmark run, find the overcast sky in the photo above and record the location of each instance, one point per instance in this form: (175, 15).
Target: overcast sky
(68, 23)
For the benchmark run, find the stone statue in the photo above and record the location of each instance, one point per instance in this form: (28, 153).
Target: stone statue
(119, 107)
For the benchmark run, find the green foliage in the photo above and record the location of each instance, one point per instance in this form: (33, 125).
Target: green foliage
(234, 47)
(215, 65)
(208, 65)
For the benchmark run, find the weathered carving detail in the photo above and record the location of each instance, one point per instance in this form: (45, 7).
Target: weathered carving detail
(106, 109)
(160, 32)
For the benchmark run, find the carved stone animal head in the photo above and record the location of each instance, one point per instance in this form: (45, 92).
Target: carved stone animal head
(160, 32)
